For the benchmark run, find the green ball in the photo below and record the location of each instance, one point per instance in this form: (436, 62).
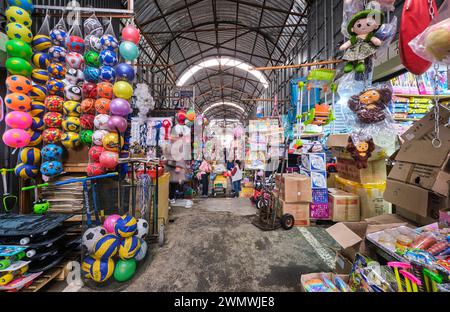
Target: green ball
(18, 48)
(18, 66)
(91, 58)
(86, 137)
(124, 270)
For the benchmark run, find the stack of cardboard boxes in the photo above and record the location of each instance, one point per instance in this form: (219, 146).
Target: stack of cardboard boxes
(418, 184)
(295, 196)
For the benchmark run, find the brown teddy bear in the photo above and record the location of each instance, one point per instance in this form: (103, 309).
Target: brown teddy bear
(361, 151)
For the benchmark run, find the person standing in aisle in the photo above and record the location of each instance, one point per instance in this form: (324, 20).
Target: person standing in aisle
(205, 170)
(236, 178)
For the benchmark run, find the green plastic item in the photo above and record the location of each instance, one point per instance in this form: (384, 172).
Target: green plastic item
(322, 74)
(18, 66)
(18, 48)
(125, 270)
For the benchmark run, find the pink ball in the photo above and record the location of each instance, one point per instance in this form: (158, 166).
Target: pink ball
(110, 222)
(109, 159)
(119, 107)
(95, 152)
(18, 120)
(16, 138)
(131, 33)
(117, 122)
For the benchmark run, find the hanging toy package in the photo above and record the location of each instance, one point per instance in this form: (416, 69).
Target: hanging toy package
(75, 41)
(433, 44)
(93, 31)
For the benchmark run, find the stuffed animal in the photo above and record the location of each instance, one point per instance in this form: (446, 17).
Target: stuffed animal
(369, 106)
(437, 41)
(362, 44)
(361, 151)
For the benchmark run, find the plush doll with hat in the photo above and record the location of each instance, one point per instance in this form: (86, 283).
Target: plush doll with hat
(362, 44)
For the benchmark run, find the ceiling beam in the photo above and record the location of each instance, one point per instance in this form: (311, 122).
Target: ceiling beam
(173, 11)
(266, 7)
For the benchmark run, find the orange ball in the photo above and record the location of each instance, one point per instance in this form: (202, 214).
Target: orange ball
(88, 106)
(18, 102)
(102, 106)
(105, 90)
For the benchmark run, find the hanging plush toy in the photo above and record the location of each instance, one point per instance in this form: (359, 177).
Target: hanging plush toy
(361, 151)
(362, 44)
(369, 106)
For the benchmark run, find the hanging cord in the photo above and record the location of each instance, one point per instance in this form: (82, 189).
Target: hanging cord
(436, 142)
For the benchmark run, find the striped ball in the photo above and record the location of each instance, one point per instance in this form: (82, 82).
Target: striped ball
(39, 76)
(30, 155)
(106, 246)
(26, 171)
(86, 266)
(38, 93)
(36, 138)
(41, 43)
(41, 60)
(126, 226)
(129, 247)
(102, 270)
(37, 109)
(37, 124)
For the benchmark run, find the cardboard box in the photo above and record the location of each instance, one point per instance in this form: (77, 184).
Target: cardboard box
(374, 173)
(414, 218)
(425, 126)
(306, 277)
(314, 161)
(344, 206)
(294, 188)
(342, 264)
(300, 212)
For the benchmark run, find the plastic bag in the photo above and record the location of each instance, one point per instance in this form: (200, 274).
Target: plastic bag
(433, 44)
(109, 40)
(75, 41)
(45, 27)
(58, 34)
(93, 30)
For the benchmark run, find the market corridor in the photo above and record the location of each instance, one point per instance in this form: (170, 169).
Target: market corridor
(214, 247)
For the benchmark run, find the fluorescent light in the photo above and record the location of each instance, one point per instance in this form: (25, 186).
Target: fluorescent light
(224, 104)
(224, 62)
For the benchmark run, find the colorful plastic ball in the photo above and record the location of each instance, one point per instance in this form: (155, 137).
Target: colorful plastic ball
(109, 42)
(117, 123)
(55, 87)
(95, 152)
(123, 90)
(52, 168)
(37, 109)
(41, 43)
(19, 31)
(72, 109)
(51, 135)
(108, 58)
(16, 138)
(102, 106)
(120, 107)
(18, 102)
(39, 76)
(30, 155)
(129, 247)
(18, 84)
(125, 270)
(75, 44)
(15, 14)
(86, 137)
(106, 246)
(18, 66)
(53, 119)
(97, 137)
(105, 90)
(101, 122)
(110, 222)
(35, 138)
(125, 226)
(142, 252)
(27, 5)
(57, 70)
(74, 76)
(181, 117)
(87, 106)
(58, 37)
(190, 115)
(131, 33)
(90, 90)
(40, 60)
(26, 171)
(86, 266)
(128, 50)
(74, 60)
(38, 93)
(57, 54)
(52, 152)
(73, 93)
(125, 72)
(91, 58)
(71, 124)
(102, 270)
(87, 121)
(111, 142)
(37, 124)
(109, 159)
(70, 139)
(107, 73)
(18, 120)
(91, 74)
(54, 103)
(18, 48)
(92, 42)
(95, 169)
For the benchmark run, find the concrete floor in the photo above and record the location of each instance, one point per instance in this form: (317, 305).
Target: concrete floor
(214, 247)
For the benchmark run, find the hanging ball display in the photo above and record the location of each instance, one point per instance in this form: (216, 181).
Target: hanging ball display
(140, 255)
(58, 37)
(73, 93)
(86, 137)
(129, 247)
(57, 54)
(111, 142)
(102, 105)
(52, 168)
(92, 42)
(51, 135)
(53, 119)
(123, 90)
(131, 33)
(55, 87)
(40, 60)
(109, 159)
(75, 44)
(26, 171)
(97, 137)
(40, 76)
(125, 226)
(117, 122)
(74, 60)
(72, 109)
(190, 115)
(91, 58)
(37, 124)
(41, 43)
(27, 5)
(95, 169)
(90, 90)
(16, 138)
(109, 42)
(18, 48)
(18, 120)
(55, 70)
(105, 90)
(51, 152)
(15, 14)
(37, 109)
(110, 222)
(70, 139)
(38, 93)
(91, 74)
(19, 31)
(87, 121)
(125, 270)
(86, 266)
(74, 76)
(18, 84)
(88, 106)
(94, 155)
(18, 66)
(128, 50)
(101, 122)
(18, 102)
(125, 72)
(54, 103)
(107, 73)
(35, 138)
(120, 107)
(102, 270)
(106, 246)
(108, 58)
(30, 155)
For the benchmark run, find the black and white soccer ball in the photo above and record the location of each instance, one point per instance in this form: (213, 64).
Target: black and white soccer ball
(142, 228)
(91, 236)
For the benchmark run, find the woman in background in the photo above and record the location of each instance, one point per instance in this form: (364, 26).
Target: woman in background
(236, 178)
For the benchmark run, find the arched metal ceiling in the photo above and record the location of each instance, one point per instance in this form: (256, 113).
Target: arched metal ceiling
(185, 32)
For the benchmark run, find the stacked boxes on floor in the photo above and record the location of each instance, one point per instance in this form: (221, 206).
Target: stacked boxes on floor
(314, 165)
(295, 196)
